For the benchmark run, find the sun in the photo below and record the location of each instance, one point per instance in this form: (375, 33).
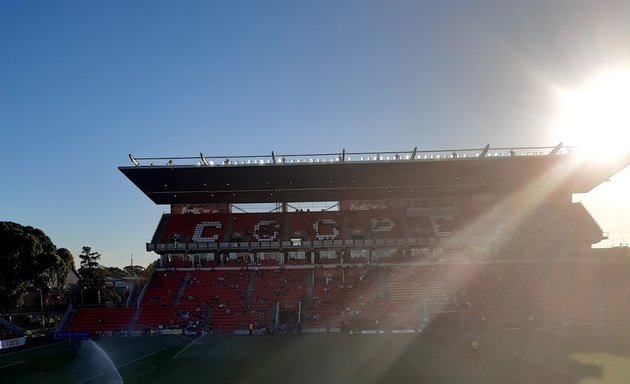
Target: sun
(596, 116)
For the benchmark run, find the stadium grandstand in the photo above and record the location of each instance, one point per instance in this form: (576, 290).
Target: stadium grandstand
(370, 242)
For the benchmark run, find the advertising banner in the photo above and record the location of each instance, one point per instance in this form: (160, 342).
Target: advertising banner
(4, 344)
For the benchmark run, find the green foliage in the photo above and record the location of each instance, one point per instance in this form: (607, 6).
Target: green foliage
(63, 265)
(146, 274)
(92, 275)
(27, 258)
(136, 270)
(114, 272)
(109, 294)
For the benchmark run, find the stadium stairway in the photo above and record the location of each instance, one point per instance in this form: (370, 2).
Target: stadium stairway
(250, 288)
(134, 300)
(134, 320)
(309, 285)
(180, 291)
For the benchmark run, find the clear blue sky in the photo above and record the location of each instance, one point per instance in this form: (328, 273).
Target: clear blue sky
(84, 83)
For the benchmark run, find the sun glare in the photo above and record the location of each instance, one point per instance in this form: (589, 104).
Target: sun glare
(596, 116)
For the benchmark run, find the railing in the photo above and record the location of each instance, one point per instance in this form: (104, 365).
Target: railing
(144, 289)
(343, 156)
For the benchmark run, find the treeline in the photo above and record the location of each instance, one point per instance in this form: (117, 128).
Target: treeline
(30, 261)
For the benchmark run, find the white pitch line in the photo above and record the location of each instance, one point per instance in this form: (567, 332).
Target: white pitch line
(151, 370)
(122, 365)
(187, 346)
(13, 363)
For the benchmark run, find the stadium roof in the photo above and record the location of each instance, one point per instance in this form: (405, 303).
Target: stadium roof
(364, 176)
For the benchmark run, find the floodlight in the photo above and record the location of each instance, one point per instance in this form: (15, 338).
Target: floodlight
(203, 159)
(134, 161)
(485, 150)
(555, 149)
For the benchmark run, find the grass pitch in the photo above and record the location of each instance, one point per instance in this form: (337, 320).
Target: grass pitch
(581, 356)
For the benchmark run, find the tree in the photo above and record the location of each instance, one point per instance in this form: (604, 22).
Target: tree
(114, 272)
(27, 257)
(135, 270)
(92, 276)
(146, 275)
(59, 273)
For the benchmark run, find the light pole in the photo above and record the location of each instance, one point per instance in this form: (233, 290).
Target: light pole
(41, 305)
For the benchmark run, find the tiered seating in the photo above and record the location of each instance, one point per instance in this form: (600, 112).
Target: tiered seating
(159, 299)
(238, 262)
(257, 227)
(549, 293)
(178, 262)
(287, 287)
(194, 305)
(335, 302)
(202, 228)
(420, 226)
(101, 319)
(326, 305)
(379, 224)
(443, 226)
(316, 225)
(501, 294)
(267, 263)
(227, 289)
(404, 296)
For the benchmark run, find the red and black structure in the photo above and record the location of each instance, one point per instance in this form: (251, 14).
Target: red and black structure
(371, 242)
(468, 202)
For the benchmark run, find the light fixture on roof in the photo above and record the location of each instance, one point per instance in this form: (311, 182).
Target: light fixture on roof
(134, 161)
(485, 150)
(555, 149)
(203, 159)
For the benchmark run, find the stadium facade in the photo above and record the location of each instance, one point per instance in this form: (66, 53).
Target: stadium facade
(359, 240)
(463, 201)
